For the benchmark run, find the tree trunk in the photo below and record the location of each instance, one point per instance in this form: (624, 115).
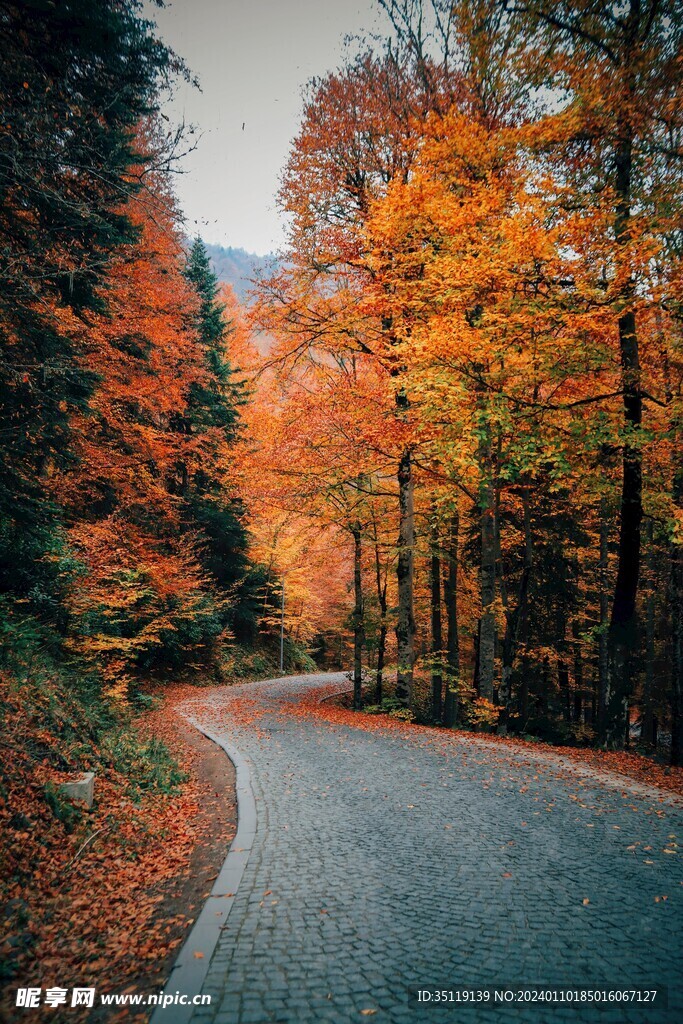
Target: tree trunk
(603, 650)
(487, 627)
(563, 679)
(381, 653)
(524, 693)
(405, 626)
(358, 630)
(475, 673)
(515, 617)
(450, 593)
(647, 718)
(578, 673)
(382, 601)
(676, 568)
(622, 630)
(676, 558)
(437, 638)
(563, 682)
(546, 677)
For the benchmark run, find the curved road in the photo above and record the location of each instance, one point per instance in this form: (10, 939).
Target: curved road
(389, 860)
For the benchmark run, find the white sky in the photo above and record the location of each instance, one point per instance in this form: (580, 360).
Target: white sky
(252, 58)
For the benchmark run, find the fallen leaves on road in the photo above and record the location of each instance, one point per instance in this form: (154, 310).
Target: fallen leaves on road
(634, 766)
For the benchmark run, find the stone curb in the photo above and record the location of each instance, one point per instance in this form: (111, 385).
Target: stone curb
(189, 972)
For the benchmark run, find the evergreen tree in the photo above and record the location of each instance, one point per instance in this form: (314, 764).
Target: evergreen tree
(215, 404)
(75, 79)
(213, 411)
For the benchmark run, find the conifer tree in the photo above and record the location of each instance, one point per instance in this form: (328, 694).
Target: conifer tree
(211, 509)
(75, 80)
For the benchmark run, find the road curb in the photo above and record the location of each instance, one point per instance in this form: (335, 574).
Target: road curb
(189, 971)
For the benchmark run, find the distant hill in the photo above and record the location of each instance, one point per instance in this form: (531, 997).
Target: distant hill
(238, 267)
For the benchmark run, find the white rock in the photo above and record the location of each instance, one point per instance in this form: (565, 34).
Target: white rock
(82, 788)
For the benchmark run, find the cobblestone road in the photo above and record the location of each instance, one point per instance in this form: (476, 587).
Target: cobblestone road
(386, 862)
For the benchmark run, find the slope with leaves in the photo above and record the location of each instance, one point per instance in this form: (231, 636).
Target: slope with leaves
(87, 893)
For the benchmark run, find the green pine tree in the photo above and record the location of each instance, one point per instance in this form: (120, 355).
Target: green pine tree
(217, 517)
(215, 404)
(76, 78)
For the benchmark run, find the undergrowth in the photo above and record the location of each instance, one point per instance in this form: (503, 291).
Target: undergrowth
(55, 725)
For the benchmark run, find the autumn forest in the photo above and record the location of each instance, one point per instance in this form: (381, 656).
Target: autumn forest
(458, 445)
(475, 383)
(439, 446)
(478, 365)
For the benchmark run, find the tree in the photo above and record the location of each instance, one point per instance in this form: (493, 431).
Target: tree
(356, 137)
(76, 79)
(141, 598)
(617, 140)
(478, 313)
(212, 508)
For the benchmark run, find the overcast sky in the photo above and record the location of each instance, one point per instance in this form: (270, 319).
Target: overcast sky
(252, 58)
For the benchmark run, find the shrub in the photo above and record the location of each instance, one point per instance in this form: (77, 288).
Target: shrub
(403, 714)
(482, 713)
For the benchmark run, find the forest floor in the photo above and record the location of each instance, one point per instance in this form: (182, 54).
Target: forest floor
(212, 779)
(108, 903)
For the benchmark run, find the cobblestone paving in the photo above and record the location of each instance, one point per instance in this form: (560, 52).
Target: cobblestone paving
(384, 863)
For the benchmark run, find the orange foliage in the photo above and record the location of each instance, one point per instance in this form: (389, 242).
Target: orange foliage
(140, 574)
